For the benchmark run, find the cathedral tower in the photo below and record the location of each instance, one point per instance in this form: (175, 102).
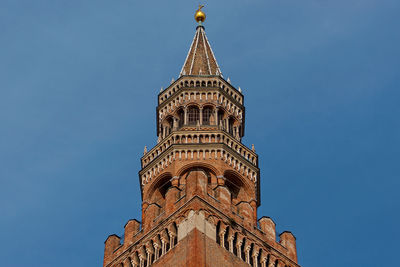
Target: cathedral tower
(200, 185)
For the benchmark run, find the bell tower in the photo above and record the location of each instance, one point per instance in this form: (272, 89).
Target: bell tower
(200, 185)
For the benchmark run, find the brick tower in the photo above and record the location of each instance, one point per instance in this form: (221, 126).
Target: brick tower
(200, 185)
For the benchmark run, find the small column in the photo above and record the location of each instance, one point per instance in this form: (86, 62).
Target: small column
(264, 258)
(149, 251)
(157, 246)
(231, 237)
(135, 261)
(185, 116)
(216, 116)
(221, 234)
(201, 115)
(247, 247)
(172, 234)
(142, 256)
(256, 252)
(164, 242)
(272, 260)
(239, 243)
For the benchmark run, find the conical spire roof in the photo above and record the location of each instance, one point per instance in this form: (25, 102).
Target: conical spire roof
(200, 59)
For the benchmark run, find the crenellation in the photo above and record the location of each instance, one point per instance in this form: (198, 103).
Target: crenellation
(267, 226)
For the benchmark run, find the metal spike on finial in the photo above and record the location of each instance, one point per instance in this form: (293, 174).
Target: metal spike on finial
(229, 80)
(161, 89)
(240, 89)
(200, 16)
(172, 81)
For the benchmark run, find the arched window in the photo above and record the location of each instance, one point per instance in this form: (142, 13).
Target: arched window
(230, 125)
(169, 126)
(193, 115)
(220, 116)
(181, 116)
(207, 113)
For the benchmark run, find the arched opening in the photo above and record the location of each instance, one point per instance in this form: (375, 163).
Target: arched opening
(220, 117)
(231, 121)
(217, 233)
(237, 187)
(193, 115)
(169, 125)
(181, 117)
(207, 115)
(159, 189)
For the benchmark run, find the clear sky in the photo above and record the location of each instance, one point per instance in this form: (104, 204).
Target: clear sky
(78, 87)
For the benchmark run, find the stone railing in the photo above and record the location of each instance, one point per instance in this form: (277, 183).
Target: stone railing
(215, 151)
(199, 138)
(214, 98)
(185, 82)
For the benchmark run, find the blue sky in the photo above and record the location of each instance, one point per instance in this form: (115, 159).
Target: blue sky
(78, 87)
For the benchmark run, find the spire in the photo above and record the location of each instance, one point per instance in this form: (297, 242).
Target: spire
(200, 59)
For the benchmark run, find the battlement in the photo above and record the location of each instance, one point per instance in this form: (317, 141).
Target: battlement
(253, 246)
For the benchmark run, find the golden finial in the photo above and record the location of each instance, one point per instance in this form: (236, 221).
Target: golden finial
(200, 16)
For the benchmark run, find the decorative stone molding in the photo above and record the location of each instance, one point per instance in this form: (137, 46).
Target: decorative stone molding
(196, 221)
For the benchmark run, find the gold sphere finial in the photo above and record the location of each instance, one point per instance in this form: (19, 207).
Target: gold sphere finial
(200, 16)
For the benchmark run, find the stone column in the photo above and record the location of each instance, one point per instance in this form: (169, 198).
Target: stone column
(256, 252)
(272, 260)
(216, 116)
(247, 247)
(264, 258)
(149, 251)
(239, 243)
(231, 237)
(164, 242)
(157, 247)
(135, 261)
(185, 116)
(221, 234)
(201, 115)
(172, 234)
(142, 256)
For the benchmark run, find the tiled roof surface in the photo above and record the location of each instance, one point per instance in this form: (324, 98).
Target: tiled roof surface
(200, 59)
